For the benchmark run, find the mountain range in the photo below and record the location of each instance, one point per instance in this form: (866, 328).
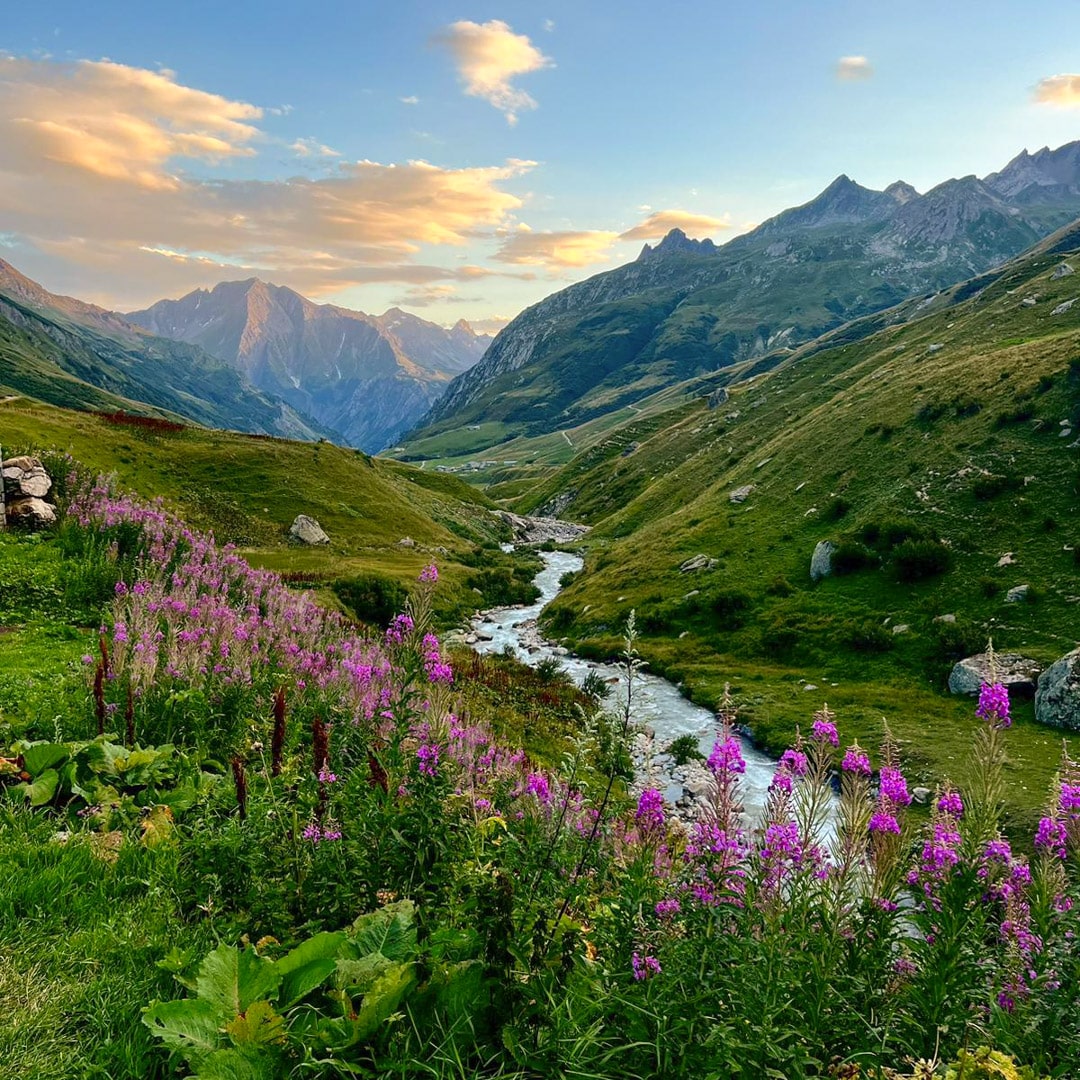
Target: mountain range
(686, 307)
(368, 378)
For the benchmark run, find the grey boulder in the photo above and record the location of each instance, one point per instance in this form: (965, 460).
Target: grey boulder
(821, 560)
(1017, 673)
(306, 530)
(1057, 698)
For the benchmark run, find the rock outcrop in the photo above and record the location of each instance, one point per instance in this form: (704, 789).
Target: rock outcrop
(1017, 673)
(821, 560)
(306, 530)
(538, 530)
(1057, 698)
(26, 487)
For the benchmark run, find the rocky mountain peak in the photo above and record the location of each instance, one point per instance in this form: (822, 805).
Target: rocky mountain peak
(1031, 176)
(901, 192)
(676, 243)
(843, 202)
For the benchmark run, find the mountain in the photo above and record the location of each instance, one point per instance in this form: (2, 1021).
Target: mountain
(368, 377)
(685, 308)
(70, 353)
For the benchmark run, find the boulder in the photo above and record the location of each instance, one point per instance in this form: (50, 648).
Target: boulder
(921, 795)
(1016, 672)
(1057, 699)
(1029, 301)
(1061, 270)
(306, 530)
(1017, 594)
(406, 541)
(821, 560)
(30, 513)
(718, 397)
(26, 476)
(697, 562)
(950, 618)
(741, 494)
(1063, 307)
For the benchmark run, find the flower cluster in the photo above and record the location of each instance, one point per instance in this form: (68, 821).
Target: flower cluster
(993, 705)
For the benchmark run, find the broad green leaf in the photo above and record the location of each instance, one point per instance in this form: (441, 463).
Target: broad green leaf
(357, 976)
(382, 1000)
(192, 1026)
(231, 979)
(307, 966)
(157, 827)
(42, 756)
(258, 1025)
(232, 1064)
(41, 790)
(389, 931)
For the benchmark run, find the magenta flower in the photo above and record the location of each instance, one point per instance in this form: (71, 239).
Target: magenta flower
(951, 803)
(884, 822)
(824, 731)
(1069, 799)
(1050, 837)
(650, 811)
(795, 761)
(726, 757)
(537, 784)
(668, 907)
(993, 705)
(856, 760)
(894, 786)
(644, 967)
(430, 573)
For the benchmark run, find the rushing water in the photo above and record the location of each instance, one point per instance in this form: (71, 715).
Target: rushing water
(656, 702)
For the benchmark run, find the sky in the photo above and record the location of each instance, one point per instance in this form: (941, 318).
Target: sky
(466, 159)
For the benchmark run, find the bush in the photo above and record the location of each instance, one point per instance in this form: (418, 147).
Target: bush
(729, 605)
(835, 509)
(868, 636)
(848, 557)
(779, 586)
(955, 640)
(503, 586)
(684, 749)
(990, 487)
(916, 560)
(989, 587)
(371, 598)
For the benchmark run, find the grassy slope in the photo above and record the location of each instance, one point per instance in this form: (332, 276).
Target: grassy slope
(249, 489)
(895, 432)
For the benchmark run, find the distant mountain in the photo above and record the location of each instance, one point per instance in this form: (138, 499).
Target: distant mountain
(67, 352)
(368, 377)
(687, 307)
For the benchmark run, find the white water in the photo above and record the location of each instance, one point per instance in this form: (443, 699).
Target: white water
(656, 703)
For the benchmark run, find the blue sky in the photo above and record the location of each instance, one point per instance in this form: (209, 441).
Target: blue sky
(221, 140)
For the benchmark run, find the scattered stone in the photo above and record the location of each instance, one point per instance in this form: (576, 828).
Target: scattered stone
(950, 618)
(718, 397)
(695, 563)
(800, 486)
(685, 633)
(1017, 673)
(821, 560)
(1029, 301)
(901, 628)
(762, 464)
(1007, 559)
(1017, 594)
(921, 795)
(731, 417)
(1063, 307)
(30, 513)
(1057, 699)
(306, 530)
(537, 530)
(406, 542)
(741, 494)
(936, 347)
(1065, 433)
(1061, 270)
(810, 686)
(691, 593)
(484, 635)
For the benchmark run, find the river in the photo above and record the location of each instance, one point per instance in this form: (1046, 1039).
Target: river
(657, 703)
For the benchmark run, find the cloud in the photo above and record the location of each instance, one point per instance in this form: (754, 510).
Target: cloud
(426, 295)
(853, 68)
(556, 250)
(1063, 90)
(488, 56)
(89, 156)
(412, 99)
(306, 148)
(656, 226)
(489, 326)
(114, 121)
(549, 25)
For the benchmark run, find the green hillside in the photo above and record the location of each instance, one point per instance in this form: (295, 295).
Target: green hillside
(929, 442)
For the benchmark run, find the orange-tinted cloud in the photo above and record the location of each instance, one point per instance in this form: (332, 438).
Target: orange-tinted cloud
(657, 225)
(1059, 90)
(557, 250)
(489, 55)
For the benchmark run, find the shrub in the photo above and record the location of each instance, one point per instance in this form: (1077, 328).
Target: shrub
(989, 587)
(729, 605)
(779, 586)
(502, 586)
(868, 636)
(848, 557)
(835, 509)
(916, 560)
(371, 598)
(684, 749)
(955, 640)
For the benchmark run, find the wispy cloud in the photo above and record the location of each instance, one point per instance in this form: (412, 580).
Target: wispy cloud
(306, 148)
(412, 99)
(1063, 90)
(853, 68)
(556, 250)
(659, 224)
(489, 55)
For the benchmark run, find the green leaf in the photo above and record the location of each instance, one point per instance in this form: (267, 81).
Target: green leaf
(231, 979)
(42, 756)
(259, 1025)
(307, 966)
(382, 1000)
(41, 790)
(389, 931)
(232, 1064)
(357, 976)
(192, 1026)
